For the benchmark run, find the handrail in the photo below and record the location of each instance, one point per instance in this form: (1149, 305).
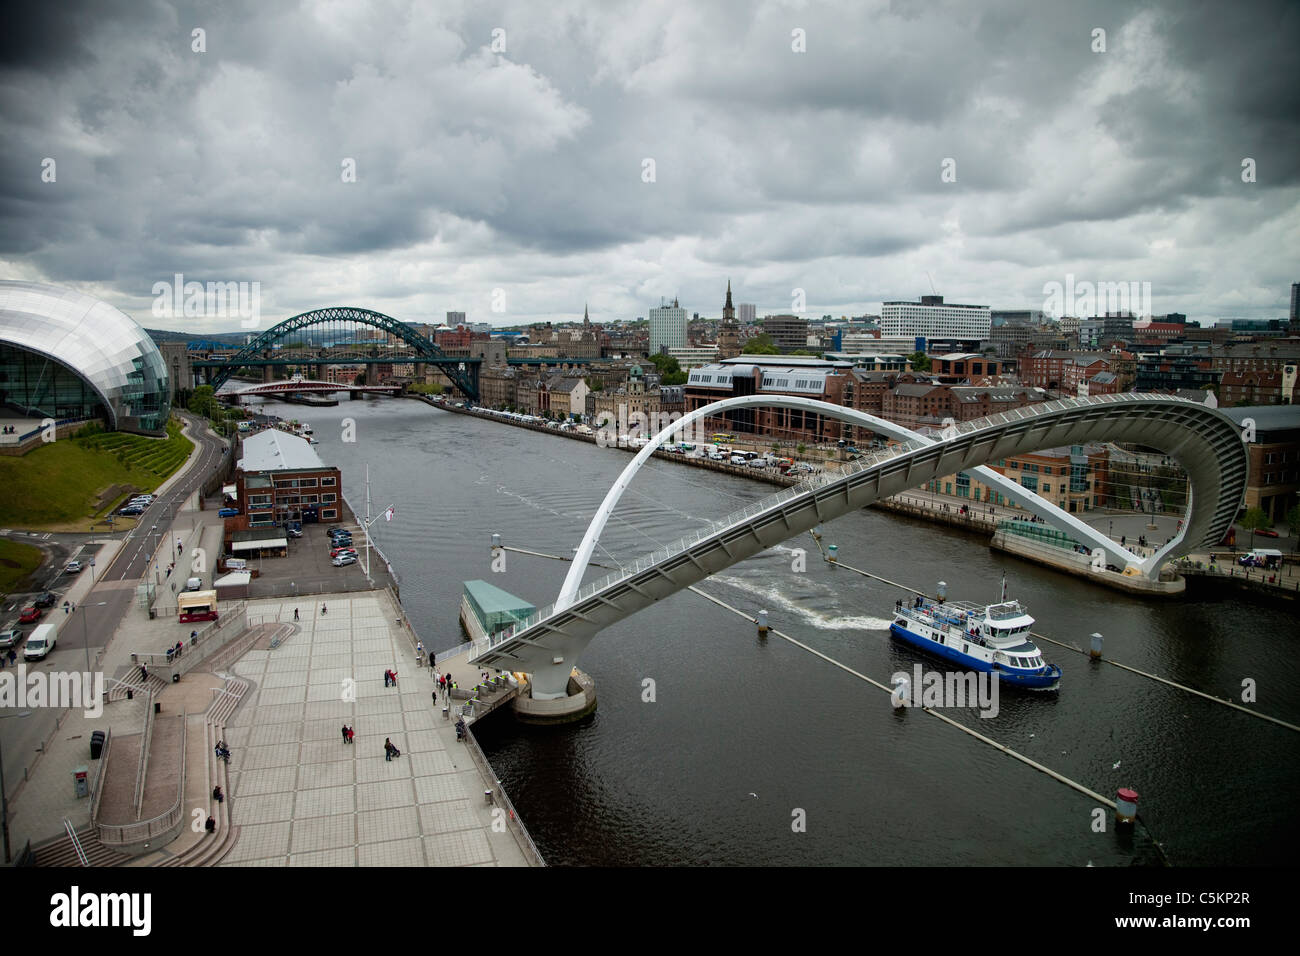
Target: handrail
(76, 844)
(146, 738)
(522, 837)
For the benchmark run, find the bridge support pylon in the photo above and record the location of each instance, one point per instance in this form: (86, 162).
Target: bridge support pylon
(557, 694)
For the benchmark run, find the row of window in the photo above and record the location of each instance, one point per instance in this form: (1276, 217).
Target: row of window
(303, 482)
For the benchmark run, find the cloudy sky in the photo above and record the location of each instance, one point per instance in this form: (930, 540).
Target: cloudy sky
(614, 153)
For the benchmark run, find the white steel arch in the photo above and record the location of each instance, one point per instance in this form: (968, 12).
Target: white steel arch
(1034, 503)
(1209, 445)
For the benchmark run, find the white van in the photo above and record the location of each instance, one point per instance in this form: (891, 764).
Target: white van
(236, 564)
(41, 642)
(194, 584)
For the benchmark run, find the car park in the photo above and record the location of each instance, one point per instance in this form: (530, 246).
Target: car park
(343, 560)
(46, 600)
(10, 636)
(30, 615)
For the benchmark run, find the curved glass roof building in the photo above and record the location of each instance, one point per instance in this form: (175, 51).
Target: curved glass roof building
(66, 355)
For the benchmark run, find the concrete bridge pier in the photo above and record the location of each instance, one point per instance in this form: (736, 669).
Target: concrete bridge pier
(558, 694)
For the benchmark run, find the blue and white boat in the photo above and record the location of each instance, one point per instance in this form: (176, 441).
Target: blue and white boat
(989, 638)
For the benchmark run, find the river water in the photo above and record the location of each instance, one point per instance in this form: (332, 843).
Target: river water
(746, 738)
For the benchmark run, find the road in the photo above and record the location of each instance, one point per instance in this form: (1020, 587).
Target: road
(102, 610)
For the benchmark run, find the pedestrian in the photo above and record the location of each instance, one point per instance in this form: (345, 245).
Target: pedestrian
(144, 673)
(435, 697)
(12, 657)
(419, 648)
(322, 610)
(217, 795)
(295, 614)
(394, 678)
(344, 732)
(211, 825)
(386, 677)
(351, 734)
(388, 749)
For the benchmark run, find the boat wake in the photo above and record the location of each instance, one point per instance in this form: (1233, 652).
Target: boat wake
(773, 598)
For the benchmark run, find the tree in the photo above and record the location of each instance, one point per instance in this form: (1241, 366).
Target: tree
(202, 401)
(1253, 520)
(761, 344)
(920, 362)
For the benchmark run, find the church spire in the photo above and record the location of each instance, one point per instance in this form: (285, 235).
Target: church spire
(586, 319)
(728, 305)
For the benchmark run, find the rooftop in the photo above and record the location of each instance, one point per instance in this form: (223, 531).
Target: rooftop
(493, 600)
(276, 450)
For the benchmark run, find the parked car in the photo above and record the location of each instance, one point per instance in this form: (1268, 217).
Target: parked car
(343, 560)
(342, 550)
(45, 600)
(10, 636)
(334, 527)
(74, 567)
(227, 512)
(1266, 532)
(737, 459)
(30, 615)
(758, 463)
(131, 510)
(341, 536)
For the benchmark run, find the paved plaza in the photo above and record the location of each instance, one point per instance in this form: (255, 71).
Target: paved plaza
(302, 797)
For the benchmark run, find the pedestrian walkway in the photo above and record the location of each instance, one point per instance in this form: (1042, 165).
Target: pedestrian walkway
(303, 797)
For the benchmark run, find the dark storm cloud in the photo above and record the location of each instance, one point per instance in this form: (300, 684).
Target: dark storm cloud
(818, 170)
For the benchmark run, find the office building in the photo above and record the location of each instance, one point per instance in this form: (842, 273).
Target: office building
(932, 318)
(667, 328)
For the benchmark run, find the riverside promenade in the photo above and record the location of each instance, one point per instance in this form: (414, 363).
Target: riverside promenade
(295, 793)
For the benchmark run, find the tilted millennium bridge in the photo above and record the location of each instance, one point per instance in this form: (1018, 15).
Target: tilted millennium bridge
(1207, 444)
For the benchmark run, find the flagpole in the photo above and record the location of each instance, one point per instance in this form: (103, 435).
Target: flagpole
(368, 523)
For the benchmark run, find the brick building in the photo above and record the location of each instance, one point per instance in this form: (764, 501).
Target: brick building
(281, 478)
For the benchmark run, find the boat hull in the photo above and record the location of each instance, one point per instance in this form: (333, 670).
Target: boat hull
(1046, 679)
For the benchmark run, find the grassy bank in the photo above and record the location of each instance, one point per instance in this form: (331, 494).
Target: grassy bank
(17, 561)
(71, 483)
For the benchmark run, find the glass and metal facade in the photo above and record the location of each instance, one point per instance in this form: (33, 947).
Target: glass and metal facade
(67, 355)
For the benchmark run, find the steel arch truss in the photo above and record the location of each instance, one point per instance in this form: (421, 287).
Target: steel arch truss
(426, 351)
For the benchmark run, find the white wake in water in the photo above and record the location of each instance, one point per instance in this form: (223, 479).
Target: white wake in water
(772, 599)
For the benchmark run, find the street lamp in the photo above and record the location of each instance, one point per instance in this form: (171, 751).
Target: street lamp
(68, 608)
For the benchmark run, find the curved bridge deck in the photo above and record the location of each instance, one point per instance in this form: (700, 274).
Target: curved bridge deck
(1206, 442)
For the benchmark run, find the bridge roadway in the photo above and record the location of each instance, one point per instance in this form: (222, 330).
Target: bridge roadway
(1206, 442)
